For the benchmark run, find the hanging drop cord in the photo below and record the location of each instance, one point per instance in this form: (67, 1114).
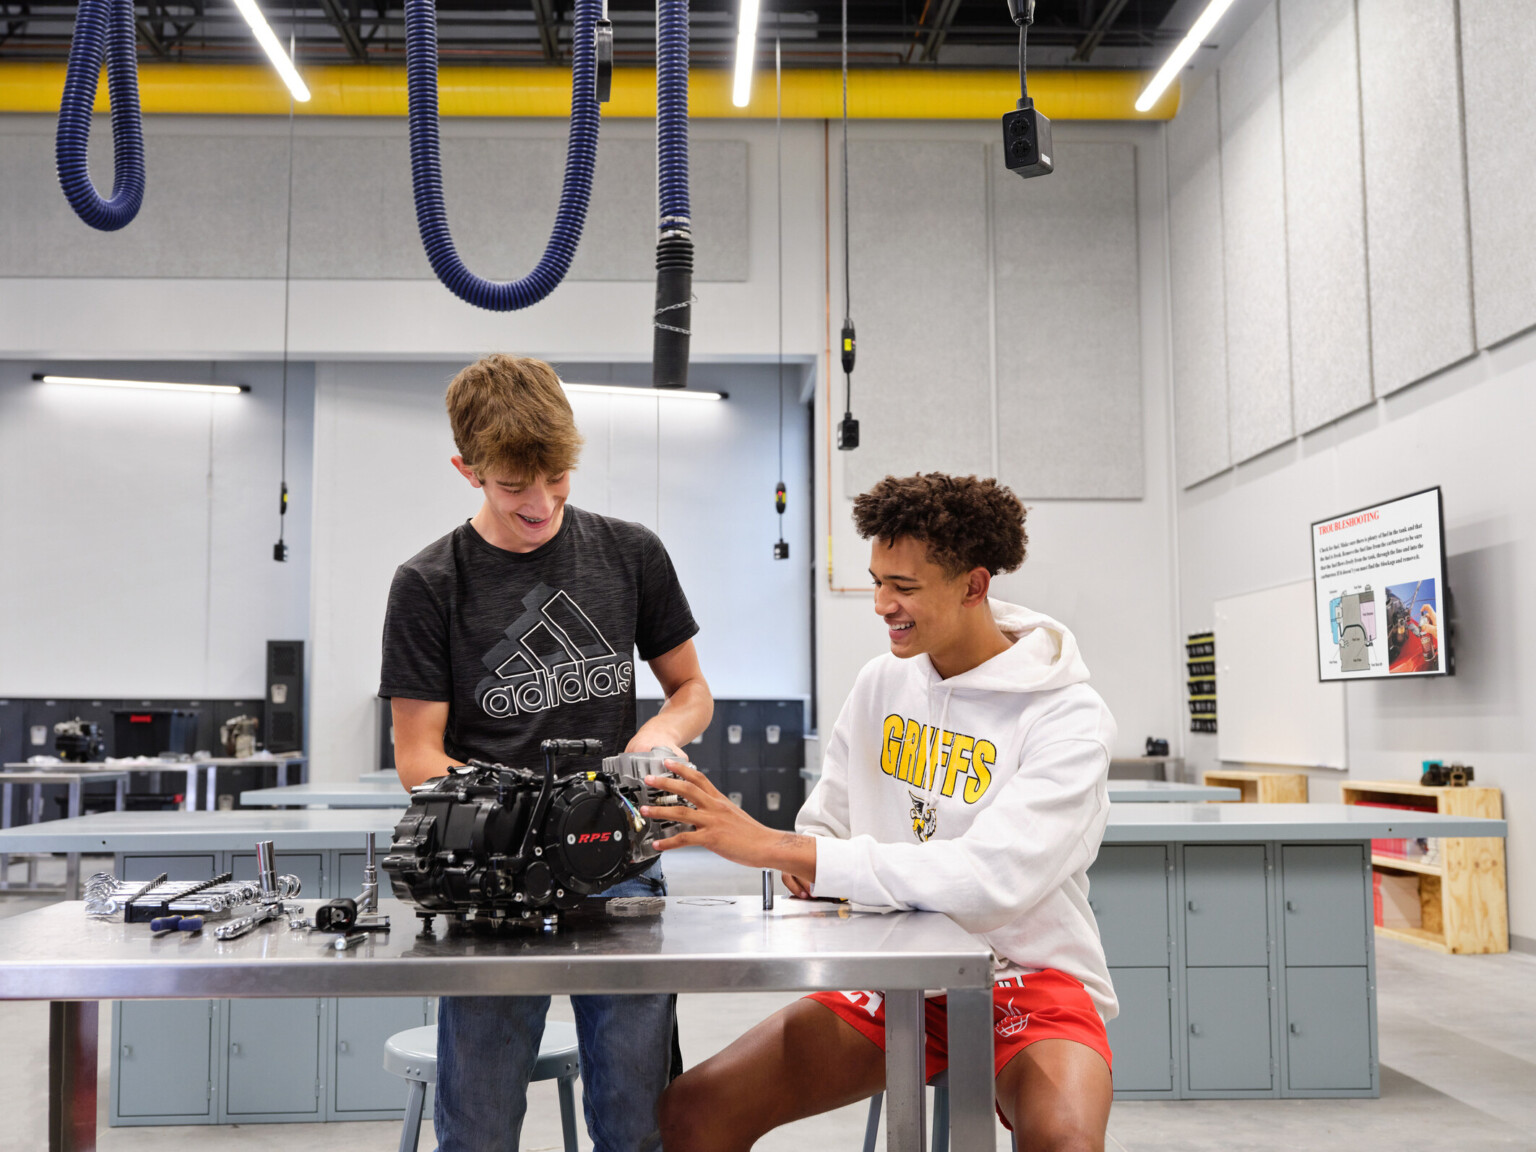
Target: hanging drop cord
(282, 516)
(847, 277)
(778, 127)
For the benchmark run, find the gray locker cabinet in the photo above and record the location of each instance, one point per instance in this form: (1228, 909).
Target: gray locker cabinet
(741, 740)
(1226, 906)
(272, 1059)
(782, 723)
(1141, 1036)
(782, 793)
(1128, 892)
(163, 1062)
(360, 1088)
(744, 787)
(1328, 1029)
(1227, 1042)
(1323, 888)
(146, 868)
(309, 867)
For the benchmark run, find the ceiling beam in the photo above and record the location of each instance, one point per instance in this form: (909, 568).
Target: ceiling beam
(549, 33)
(1106, 19)
(349, 34)
(942, 22)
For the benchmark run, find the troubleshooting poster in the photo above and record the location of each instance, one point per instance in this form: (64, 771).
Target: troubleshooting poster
(1379, 578)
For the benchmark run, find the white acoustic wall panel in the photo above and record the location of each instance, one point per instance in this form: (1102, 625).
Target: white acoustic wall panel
(1498, 46)
(1069, 326)
(1198, 295)
(1253, 242)
(1325, 211)
(213, 206)
(918, 241)
(216, 206)
(1415, 191)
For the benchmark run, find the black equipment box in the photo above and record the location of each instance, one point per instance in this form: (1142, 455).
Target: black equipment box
(154, 731)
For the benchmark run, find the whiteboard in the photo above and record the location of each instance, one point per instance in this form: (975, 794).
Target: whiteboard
(1270, 706)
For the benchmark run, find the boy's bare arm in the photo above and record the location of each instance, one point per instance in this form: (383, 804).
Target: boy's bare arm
(689, 704)
(419, 727)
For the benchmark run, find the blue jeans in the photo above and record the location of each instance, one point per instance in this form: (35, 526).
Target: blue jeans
(486, 1046)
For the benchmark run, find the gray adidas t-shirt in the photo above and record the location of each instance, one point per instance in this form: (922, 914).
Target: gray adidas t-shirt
(531, 646)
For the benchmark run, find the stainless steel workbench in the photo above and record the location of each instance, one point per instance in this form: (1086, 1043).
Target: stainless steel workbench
(700, 944)
(385, 794)
(1166, 792)
(201, 775)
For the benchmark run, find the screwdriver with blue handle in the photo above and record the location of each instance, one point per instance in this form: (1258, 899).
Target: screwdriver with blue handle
(162, 925)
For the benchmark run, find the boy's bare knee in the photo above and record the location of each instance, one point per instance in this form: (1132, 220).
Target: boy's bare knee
(682, 1115)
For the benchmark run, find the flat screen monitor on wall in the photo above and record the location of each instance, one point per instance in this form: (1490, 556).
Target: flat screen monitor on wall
(1379, 582)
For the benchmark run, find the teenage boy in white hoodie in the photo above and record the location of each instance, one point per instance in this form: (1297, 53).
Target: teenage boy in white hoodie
(965, 775)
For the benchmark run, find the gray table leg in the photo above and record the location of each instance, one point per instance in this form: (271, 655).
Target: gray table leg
(211, 797)
(7, 789)
(971, 1126)
(905, 1041)
(34, 816)
(72, 1075)
(72, 859)
(122, 793)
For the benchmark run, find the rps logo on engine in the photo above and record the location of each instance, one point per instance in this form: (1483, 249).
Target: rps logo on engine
(593, 837)
(553, 654)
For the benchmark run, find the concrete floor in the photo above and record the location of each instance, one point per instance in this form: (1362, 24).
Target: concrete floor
(1458, 1069)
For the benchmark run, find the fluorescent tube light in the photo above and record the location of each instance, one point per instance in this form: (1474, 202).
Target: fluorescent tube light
(662, 393)
(746, 53)
(154, 385)
(273, 49)
(1187, 47)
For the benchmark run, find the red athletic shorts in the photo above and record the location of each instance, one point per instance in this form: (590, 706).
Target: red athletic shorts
(1045, 1005)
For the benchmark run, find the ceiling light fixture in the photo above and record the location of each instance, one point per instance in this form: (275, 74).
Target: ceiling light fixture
(1187, 47)
(626, 390)
(153, 385)
(746, 53)
(274, 50)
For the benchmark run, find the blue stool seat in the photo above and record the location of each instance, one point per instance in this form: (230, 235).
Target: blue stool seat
(412, 1055)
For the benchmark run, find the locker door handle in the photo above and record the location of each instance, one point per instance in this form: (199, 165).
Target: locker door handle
(1194, 1029)
(1093, 906)
(1192, 907)
(1295, 1029)
(341, 1046)
(127, 1051)
(234, 1048)
(1290, 905)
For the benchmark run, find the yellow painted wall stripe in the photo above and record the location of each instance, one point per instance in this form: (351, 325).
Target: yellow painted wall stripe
(379, 90)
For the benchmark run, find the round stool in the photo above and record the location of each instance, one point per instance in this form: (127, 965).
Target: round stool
(412, 1055)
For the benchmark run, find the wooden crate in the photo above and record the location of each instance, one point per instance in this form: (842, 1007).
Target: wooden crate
(1263, 787)
(1463, 902)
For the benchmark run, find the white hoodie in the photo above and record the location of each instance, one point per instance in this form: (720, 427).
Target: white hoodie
(1001, 833)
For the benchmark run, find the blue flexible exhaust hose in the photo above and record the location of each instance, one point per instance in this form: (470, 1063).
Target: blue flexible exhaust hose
(674, 245)
(103, 31)
(427, 176)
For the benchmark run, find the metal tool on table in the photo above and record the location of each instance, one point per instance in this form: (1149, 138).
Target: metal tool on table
(165, 925)
(270, 897)
(355, 915)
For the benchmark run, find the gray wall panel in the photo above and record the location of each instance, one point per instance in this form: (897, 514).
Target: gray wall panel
(1198, 291)
(1325, 211)
(1253, 242)
(1498, 45)
(918, 233)
(215, 206)
(1069, 326)
(1415, 191)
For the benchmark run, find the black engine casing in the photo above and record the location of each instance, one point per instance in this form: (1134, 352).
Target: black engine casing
(512, 842)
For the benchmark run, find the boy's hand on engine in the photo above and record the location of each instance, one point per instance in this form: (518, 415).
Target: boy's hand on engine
(723, 828)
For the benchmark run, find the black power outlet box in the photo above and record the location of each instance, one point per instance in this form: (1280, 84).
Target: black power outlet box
(1027, 141)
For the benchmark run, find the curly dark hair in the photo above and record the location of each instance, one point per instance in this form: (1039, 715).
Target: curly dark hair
(965, 522)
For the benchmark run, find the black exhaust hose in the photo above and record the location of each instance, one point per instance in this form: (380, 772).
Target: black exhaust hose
(674, 310)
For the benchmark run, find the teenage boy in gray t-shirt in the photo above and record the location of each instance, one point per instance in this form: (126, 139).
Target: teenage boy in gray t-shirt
(519, 626)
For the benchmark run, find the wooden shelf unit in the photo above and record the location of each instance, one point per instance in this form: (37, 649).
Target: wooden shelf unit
(1462, 896)
(1262, 787)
